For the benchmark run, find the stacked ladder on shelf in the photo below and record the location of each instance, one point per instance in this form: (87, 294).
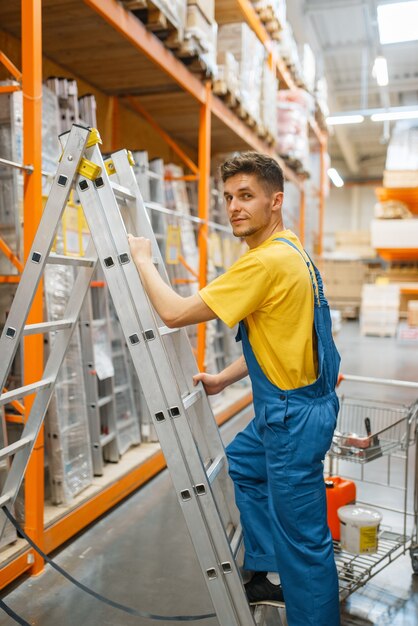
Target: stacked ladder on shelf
(162, 358)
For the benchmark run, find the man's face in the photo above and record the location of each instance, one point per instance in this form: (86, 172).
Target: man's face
(249, 207)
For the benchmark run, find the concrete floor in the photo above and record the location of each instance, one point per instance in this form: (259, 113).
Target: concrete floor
(140, 553)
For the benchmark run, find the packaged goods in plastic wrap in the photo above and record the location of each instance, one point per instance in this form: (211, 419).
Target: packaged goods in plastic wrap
(51, 150)
(243, 43)
(227, 76)
(68, 439)
(321, 97)
(287, 49)
(293, 108)
(207, 8)
(268, 100)
(391, 209)
(379, 314)
(159, 14)
(402, 151)
(11, 179)
(202, 35)
(308, 63)
(8, 534)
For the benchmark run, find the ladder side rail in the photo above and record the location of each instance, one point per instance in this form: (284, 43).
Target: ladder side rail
(90, 383)
(116, 235)
(164, 422)
(41, 247)
(181, 341)
(43, 397)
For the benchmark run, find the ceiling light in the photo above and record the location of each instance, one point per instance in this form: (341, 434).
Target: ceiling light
(400, 115)
(344, 119)
(335, 177)
(398, 22)
(380, 71)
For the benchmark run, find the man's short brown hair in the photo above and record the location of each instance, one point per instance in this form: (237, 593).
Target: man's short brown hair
(266, 169)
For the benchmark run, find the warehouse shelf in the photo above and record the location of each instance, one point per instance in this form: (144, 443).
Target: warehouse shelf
(408, 195)
(109, 50)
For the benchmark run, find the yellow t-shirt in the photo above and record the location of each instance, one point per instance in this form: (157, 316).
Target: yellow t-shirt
(270, 288)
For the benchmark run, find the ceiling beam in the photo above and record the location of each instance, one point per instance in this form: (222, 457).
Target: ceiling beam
(310, 6)
(396, 86)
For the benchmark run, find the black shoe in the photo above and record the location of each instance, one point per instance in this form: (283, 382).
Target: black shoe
(261, 591)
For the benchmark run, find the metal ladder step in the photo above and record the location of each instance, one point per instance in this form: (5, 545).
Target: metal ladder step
(21, 392)
(215, 467)
(62, 259)
(192, 398)
(46, 327)
(165, 330)
(103, 401)
(105, 439)
(14, 447)
(122, 193)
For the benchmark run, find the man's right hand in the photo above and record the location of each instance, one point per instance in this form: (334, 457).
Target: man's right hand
(211, 383)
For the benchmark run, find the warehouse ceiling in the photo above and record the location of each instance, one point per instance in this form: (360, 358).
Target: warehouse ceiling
(344, 35)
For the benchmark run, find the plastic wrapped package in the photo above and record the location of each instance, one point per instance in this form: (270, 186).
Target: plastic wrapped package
(127, 412)
(8, 535)
(402, 151)
(66, 425)
(243, 43)
(51, 151)
(177, 199)
(292, 126)
(204, 35)
(11, 179)
(228, 73)
(268, 100)
(308, 64)
(287, 49)
(321, 96)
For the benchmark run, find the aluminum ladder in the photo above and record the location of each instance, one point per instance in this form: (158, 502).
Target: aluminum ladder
(162, 358)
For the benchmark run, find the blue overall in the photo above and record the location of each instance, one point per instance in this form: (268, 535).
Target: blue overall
(276, 464)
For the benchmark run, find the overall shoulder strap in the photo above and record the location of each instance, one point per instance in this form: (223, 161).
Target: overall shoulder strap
(319, 297)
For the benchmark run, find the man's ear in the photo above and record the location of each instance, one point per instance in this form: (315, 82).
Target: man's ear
(278, 200)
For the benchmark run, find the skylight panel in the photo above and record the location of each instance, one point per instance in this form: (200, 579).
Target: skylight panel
(398, 22)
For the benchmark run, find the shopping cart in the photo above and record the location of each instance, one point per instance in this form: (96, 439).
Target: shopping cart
(375, 445)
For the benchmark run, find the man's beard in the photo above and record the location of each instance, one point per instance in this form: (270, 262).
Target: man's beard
(246, 233)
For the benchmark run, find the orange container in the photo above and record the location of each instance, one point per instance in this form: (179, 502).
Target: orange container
(340, 492)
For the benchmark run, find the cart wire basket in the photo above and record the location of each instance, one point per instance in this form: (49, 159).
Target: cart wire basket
(368, 430)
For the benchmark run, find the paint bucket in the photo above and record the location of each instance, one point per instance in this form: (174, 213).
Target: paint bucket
(359, 529)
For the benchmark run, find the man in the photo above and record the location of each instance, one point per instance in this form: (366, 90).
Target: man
(276, 463)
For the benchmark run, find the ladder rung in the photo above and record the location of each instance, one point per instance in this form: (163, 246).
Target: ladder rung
(192, 398)
(123, 193)
(103, 401)
(21, 392)
(165, 330)
(14, 447)
(260, 614)
(45, 327)
(98, 323)
(62, 259)
(4, 499)
(236, 540)
(105, 439)
(215, 467)
(125, 424)
(121, 388)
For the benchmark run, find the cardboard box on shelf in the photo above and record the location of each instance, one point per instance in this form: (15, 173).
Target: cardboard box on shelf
(400, 178)
(379, 314)
(412, 316)
(207, 8)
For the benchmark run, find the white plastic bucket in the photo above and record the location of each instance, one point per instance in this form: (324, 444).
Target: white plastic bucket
(359, 528)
